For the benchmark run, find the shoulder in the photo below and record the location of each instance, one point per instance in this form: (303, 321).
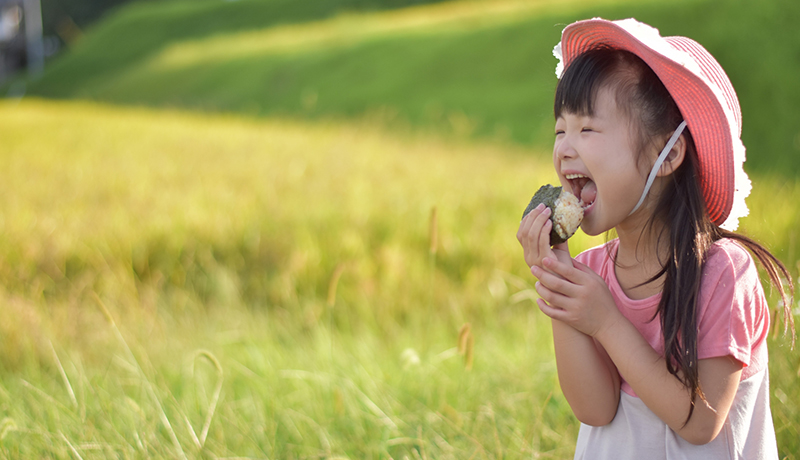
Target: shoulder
(733, 314)
(727, 258)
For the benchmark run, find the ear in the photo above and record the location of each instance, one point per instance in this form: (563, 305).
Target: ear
(674, 158)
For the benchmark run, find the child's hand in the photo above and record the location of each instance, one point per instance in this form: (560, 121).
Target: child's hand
(575, 295)
(534, 236)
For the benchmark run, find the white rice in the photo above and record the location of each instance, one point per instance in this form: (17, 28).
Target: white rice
(567, 215)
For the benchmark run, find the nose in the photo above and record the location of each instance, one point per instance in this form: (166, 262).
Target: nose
(563, 149)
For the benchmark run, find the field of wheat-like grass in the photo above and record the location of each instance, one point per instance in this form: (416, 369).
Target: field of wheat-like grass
(177, 285)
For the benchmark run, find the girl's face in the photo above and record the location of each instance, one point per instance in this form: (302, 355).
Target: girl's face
(595, 159)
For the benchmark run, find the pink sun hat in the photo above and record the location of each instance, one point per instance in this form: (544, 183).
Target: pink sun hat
(703, 93)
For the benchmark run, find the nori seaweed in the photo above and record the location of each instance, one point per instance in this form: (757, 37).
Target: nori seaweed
(548, 195)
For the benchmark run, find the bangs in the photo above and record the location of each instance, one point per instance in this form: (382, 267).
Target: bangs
(583, 78)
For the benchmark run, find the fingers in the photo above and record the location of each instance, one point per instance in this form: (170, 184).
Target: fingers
(531, 223)
(557, 301)
(550, 285)
(582, 267)
(585, 273)
(542, 220)
(563, 268)
(534, 235)
(525, 227)
(528, 219)
(551, 311)
(544, 235)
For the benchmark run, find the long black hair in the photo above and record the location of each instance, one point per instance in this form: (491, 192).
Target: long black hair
(679, 221)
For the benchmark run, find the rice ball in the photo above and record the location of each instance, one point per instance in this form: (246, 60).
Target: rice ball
(566, 215)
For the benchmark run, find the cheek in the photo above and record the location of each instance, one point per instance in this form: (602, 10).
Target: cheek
(557, 165)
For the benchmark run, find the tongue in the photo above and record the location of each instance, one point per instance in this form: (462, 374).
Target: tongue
(588, 193)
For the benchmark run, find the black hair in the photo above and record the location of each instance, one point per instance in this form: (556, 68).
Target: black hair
(679, 220)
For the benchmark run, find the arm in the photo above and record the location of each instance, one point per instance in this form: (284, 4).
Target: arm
(646, 372)
(574, 294)
(579, 359)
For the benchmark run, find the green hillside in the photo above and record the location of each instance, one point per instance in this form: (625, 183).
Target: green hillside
(84, 13)
(469, 68)
(136, 30)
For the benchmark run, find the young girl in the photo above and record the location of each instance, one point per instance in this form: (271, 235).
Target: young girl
(660, 334)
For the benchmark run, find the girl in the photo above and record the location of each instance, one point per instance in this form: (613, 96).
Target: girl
(660, 334)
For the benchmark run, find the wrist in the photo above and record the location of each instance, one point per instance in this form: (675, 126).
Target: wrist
(564, 334)
(610, 328)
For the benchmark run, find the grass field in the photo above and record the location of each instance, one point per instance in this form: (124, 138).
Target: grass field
(277, 292)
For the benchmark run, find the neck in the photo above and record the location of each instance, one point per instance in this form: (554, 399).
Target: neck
(639, 257)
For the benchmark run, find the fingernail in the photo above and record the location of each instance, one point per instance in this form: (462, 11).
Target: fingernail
(540, 206)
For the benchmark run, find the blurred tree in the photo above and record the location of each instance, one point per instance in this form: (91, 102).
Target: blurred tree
(66, 18)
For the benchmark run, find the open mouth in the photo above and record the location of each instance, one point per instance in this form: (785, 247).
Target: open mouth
(583, 188)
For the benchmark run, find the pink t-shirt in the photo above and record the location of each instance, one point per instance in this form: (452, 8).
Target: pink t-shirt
(733, 320)
(733, 315)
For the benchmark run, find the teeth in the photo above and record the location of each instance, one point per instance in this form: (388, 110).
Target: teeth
(575, 176)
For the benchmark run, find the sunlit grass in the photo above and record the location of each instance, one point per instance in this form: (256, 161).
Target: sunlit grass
(220, 239)
(222, 234)
(348, 29)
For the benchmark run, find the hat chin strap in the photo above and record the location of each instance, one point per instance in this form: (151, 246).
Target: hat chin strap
(661, 157)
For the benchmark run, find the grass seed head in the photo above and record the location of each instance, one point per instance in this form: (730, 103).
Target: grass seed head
(333, 284)
(463, 333)
(468, 352)
(433, 232)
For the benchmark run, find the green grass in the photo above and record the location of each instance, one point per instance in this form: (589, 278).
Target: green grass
(131, 31)
(472, 69)
(217, 237)
(222, 234)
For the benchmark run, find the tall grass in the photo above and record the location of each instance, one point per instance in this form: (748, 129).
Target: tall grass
(224, 234)
(271, 285)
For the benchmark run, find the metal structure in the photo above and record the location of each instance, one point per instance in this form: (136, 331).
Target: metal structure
(21, 41)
